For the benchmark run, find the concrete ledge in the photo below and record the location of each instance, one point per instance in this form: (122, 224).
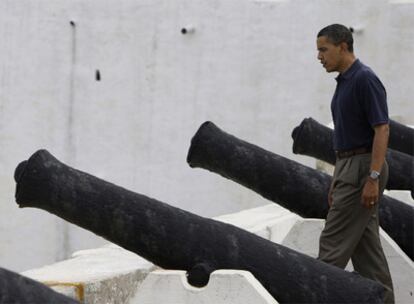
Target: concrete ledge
(271, 222)
(224, 287)
(113, 275)
(109, 274)
(304, 237)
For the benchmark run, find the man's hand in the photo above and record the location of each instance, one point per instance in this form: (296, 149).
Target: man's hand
(370, 193)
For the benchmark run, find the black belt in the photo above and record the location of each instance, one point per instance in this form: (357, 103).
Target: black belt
(349, 153)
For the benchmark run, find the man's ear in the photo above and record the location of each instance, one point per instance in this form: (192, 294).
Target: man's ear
(344, 46)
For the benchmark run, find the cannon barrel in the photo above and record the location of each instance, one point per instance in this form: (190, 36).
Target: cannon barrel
(175, 239)
(314, 139)
(17, 289)
(300, 189)
(401, 138)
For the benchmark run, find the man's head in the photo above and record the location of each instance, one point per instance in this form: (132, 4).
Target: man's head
(335, 47)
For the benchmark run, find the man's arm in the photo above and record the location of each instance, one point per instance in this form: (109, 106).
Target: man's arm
(370, 192)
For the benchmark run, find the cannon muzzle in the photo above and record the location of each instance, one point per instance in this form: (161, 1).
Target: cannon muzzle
(175, 239)
(300, 189)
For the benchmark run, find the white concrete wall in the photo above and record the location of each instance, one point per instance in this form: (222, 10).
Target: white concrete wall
(109, 274)
(224, 287)
(250, 66)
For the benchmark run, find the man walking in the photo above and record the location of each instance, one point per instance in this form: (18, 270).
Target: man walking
(360, 115)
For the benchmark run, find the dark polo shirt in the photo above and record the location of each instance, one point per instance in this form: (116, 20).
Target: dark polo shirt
(359, 104)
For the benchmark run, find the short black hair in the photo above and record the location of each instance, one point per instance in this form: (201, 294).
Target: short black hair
(338, 33)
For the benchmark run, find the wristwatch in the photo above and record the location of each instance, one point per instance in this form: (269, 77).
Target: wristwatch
(374, 175)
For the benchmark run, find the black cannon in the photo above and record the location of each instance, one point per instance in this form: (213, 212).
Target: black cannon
(314, 139)
(401, 138)
(300, 189)
(175, 239)
(17, 289)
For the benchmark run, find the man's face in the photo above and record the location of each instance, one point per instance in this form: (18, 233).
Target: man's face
(329, 55)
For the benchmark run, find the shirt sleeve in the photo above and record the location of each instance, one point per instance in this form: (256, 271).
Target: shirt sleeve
(373, 99)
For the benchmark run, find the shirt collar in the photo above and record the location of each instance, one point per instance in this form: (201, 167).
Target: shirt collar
(350, 71)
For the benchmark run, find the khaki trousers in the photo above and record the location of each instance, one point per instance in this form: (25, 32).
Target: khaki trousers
(351, 230)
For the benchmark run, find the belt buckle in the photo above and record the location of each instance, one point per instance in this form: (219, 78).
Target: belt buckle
(344, 154)
(338, 154)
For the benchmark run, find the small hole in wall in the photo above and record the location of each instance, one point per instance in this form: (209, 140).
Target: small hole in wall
(98, 75)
